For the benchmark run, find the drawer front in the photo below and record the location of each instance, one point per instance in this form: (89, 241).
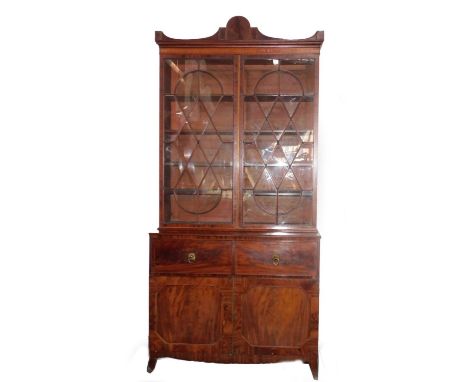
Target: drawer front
(191, 256)
(277, 258)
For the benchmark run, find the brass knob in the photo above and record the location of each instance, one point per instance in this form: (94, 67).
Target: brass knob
(191, 257)
(276, 259)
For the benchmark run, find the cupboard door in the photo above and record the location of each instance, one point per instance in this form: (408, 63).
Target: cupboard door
(198, 131)
(191, 317)
(275, 319)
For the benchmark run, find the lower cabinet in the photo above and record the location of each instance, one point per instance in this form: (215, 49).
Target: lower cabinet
(248, 301)
(239, 319)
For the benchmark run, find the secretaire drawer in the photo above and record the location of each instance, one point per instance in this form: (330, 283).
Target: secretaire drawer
(191, 256)
(277, 258)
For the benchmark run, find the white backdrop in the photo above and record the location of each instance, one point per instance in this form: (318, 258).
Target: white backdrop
(79, 172)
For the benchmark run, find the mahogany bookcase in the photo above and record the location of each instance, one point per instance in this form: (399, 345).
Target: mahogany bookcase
(234, 269)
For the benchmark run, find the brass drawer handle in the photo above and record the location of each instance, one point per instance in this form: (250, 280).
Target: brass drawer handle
(191, 257)
(276, 259)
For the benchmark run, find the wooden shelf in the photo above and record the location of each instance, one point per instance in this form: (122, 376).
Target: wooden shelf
(176, 164)
(279, 193)
(303, 164)
(192, 98)
(266, 132)
(278, 97)
(195, 191)
(172, 132)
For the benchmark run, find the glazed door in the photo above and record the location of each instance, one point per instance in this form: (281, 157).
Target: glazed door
(198, 132)
(278, 141)
(191, 317)
(275, 318)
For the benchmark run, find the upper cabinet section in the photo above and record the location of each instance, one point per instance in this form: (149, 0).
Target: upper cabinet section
(239, 130)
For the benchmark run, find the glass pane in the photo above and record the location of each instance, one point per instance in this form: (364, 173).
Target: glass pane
(278, 141)
(279, 76)
(300, 215)
(254, 208)
(180, 203)
(198, 140)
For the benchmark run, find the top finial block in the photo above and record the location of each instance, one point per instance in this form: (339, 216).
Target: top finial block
(238, 28)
